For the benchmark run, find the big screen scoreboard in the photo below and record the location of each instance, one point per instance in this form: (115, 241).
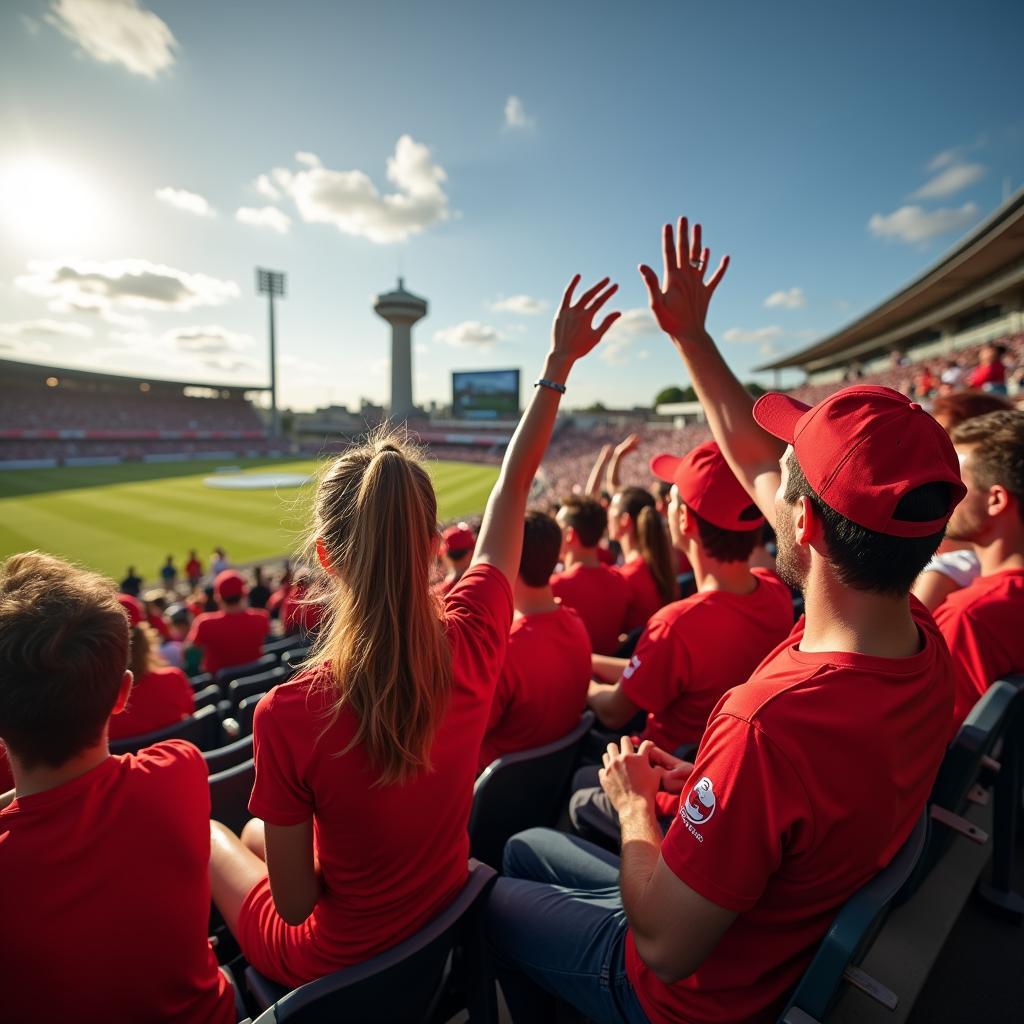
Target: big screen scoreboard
(485, 395)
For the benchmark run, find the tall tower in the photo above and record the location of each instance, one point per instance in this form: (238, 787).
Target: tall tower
(401, 309)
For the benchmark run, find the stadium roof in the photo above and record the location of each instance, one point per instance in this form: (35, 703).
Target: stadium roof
(983, 264)
(10, 367)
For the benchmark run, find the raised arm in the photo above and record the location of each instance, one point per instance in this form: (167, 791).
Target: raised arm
(622, 449)
(573, 335)
(596, 477)
(680, 305)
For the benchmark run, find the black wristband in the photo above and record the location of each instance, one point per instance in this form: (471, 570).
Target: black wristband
(543, 382)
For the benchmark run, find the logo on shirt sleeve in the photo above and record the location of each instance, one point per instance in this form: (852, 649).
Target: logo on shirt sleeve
(634, 664)
(698, 806)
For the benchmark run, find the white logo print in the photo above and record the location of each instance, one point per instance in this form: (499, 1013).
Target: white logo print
(699, 804)
(633, 665)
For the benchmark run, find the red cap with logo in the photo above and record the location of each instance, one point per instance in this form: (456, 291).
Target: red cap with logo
(707, 485)
(133, 606)
(457, 538)
(863, 449)
(229, 584)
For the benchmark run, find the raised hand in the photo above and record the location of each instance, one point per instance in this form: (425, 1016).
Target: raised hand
(573, 333)
(629, 445)
(680, 301)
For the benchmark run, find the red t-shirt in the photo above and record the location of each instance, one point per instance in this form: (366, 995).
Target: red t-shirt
(542, 689)
(808, 780)
(600, 597)
(988, 373)
(694, 650)
(106, 898)
(644, 597)
(193, 569)
(982, 626)
(298, 614)
(161, 697)
(391, 856)
(229, 638)
(6, 776)
(156, 620)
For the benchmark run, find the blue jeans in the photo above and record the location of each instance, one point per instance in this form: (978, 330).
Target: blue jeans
(556, 927)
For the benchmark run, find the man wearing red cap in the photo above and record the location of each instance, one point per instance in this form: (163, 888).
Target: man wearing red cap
(457, 544)
(780, 819)
(235, 634)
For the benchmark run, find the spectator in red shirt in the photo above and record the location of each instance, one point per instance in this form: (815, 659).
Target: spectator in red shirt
(104, 859)
(780, 819)
(233, 635)
(542, 688)
(990, 373)
(300, 612)
(598, 594)
(193, 570)
(982, 622)
(387, 727)
(457, 545)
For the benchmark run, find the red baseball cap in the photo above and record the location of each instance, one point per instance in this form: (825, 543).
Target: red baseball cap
(863, 449)
(229, 583)
(707, 485)
(133, 606)
(457, 538)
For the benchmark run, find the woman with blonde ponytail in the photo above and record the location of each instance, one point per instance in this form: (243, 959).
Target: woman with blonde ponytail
(365, 761)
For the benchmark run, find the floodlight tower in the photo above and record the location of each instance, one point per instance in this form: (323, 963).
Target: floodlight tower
(271, 283)
(401, 309)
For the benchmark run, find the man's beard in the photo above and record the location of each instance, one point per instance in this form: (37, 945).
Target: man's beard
(787, 559)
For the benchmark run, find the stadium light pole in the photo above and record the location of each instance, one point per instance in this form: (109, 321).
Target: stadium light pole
(271, 283)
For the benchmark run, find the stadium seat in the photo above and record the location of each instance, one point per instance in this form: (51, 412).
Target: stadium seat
(203, 729)
(295, 656)
(229, 755)
(408, 983)
(201, 681)
(229, 795)
(261, 664)
(207, 695)
(521, 791)
(246, 709)
(847, 941)
(239, 689)
(283, 645)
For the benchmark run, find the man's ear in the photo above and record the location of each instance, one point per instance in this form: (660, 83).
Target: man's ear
(127, 680)
(999, 500)
(806, 524)
(687, 523)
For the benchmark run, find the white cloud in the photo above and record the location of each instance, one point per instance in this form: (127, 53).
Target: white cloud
(46, 329)
(20, 347)
(90, 286)
(352, 203)
(794, 298)
(524, 305)
(209, 347)
(209, 340)
(631, 327)
(755, 334)
(307, 158)
(117, 32)
(264, 217)
(951, 180)
(266, 188)
(943, 159)
(190, 202)
(470, 333)
(32, 26)
(516, 115)
(914, 224)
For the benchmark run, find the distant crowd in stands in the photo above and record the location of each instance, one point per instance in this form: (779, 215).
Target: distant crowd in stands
(745, 774)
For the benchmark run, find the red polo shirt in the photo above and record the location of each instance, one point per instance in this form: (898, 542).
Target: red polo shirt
(106, 896)
(542, 689)
(695, 649)
(600, 596)
(808, 780)
(982, 626)
(161, 697)
(229, 638)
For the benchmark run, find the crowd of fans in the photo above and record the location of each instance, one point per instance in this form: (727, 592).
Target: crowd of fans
(728, 800)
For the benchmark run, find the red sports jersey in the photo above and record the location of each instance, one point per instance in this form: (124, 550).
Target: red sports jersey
(644, 597)
(542, 689)
(808, 780)
(298, 614)
(982, 626)
(161, 697)
(694, 650)
(989, 373)
(156, 620)
(391, 856)
(229, 638)
(600, 596)
(193, 569)
(106, 901)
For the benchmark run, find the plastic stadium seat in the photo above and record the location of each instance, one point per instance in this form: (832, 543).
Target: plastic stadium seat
(407, 983)
(246, 709)
(207, 695)
(261, 664)
(295, 656)
(229, 795)
(201, 681)
(202, 729)
(239, 689)
(521, 791)
(848, 940)
(284, 644)
(228, 756)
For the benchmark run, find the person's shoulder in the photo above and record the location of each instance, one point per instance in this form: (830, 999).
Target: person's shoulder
(570, 620)
(177, 758)
(480, 582)
(309, 693)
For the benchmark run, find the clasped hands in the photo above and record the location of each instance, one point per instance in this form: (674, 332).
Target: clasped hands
(632, 775)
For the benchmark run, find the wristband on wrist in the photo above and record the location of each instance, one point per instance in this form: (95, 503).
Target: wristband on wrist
(543, 382)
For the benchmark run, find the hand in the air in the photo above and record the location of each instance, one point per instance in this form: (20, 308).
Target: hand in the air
(574, 333)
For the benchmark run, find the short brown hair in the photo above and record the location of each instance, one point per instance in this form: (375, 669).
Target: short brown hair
(587, 517)
(542, 543)
(961, 406)
(728, 545)
(63, 653)
(997, 456)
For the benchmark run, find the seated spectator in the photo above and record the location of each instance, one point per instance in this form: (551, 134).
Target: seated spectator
(179, 620)
(542, 689)
(104, 859)
(300, 611)
(717, 920)
(379, 741)
(598, 594)
(193, 570)
(259, 592)
(156, 602)
(234, 634)
(168, 573)
(131, 584)
(982, 622)
(990, 373)
(457, 544)
(281, 591)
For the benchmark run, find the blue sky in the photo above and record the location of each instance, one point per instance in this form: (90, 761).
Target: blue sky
(834, 153)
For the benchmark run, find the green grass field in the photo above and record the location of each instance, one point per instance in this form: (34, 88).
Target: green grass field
(110, 517)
